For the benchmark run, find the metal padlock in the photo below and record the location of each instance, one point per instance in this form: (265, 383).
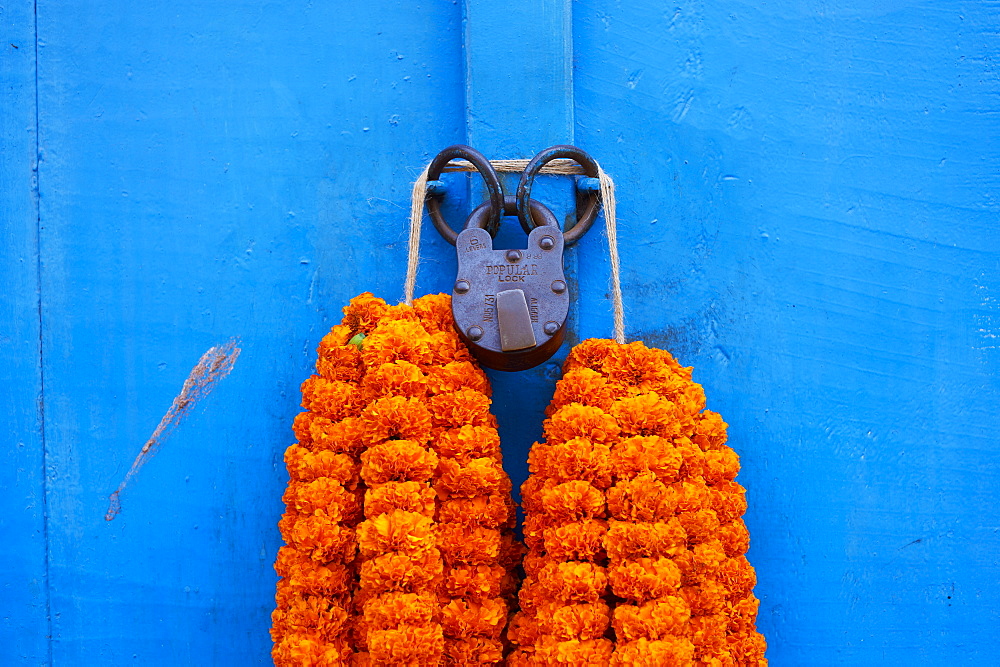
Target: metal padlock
(510, 306)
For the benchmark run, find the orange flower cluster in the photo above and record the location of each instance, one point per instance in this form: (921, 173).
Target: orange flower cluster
(399, 516)
(632, 520)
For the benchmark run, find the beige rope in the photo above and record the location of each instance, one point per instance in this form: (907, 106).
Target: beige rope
(611, 227)
(416, 221)
(561, 166)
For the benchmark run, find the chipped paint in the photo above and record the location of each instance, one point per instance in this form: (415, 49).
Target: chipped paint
(214, 365)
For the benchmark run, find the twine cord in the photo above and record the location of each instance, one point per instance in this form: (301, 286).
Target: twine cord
(416, 222)
(561, 166)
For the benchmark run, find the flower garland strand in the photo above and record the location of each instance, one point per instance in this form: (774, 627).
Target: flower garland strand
(421, 500)
(636, 545)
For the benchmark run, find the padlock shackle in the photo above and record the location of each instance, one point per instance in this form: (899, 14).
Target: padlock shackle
(586, 218)
(495, 205)
(540, 214)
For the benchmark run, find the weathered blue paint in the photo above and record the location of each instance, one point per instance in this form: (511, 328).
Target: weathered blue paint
(24, 586)
(807, 211)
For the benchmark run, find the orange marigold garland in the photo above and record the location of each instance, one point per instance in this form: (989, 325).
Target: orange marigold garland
(632, 519)
(399, 517)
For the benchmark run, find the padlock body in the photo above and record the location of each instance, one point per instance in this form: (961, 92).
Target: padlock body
(491, 287)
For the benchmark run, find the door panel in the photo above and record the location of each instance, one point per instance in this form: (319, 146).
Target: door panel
(209, 172)
(802, 196)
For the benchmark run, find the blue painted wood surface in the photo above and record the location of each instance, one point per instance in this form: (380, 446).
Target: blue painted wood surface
(808, 216)
(23, 588)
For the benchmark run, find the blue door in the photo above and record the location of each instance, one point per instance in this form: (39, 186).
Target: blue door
(808, 217)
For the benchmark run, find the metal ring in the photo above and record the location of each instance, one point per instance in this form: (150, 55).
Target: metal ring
(539, 212)
(485, 170)
(585, 219)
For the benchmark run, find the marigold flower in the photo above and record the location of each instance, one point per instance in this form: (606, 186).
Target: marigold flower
(742, 615)
(472, 651)
(573, 582)
(461, 544)
(479, 477)
(397, 461)
(488, 511)
(301, 574)
(315, 613)
(581, 421)
(693, 495)
(445, 347)
(396, 418)
(305, 466)
(473, 582)
(409, 496)
(461, 408)
(708, 556)
(640, 368)
(576, 621)
(729, 501)
(434, 312)
(408, 645)
(626, 539)
(705, 597)
(646, 414)
(667, 652)
(590, 353)
(737, 575)
(402, 572)
(467, 442)
(579, 540)
(639, 454)
(700, 526)
(399, 340)
(322, 538)
(346, 436)
(692, 460)
(405, 532)
(535, 559)
(338, 360)
(573, 652)
(710, 431)
(363, 312)
(464, 618)
(708, 633)
(532, 594)
(455, 376)
(395, 609)
(396, 378)
(572, 501)
(666, 615)
(586, 387)
(748, 649)
(295, 649)
(642, 498)
(323, 496)
(644, 579)
(301, 427)
(332, 399)
(721, 465)
(576, 459)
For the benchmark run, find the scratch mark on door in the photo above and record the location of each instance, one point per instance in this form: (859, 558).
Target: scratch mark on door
(214, 365)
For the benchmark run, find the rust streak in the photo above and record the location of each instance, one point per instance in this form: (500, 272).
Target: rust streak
(214, 365)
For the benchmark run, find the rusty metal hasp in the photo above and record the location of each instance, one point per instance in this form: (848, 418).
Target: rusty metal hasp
(510, 306)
